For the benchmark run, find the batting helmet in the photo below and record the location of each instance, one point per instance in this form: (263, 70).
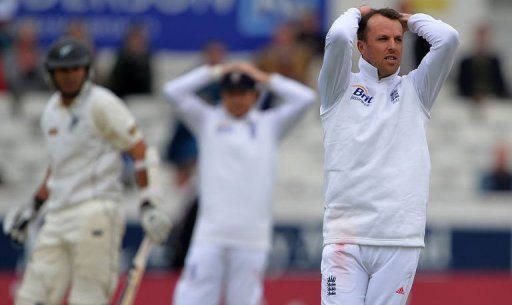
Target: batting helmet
(68, 52)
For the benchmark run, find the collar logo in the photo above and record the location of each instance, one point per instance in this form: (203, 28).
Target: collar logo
(361, 94)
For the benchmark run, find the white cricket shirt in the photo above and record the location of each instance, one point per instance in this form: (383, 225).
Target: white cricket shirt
(84, 143)
(377, 163)
(237, 158)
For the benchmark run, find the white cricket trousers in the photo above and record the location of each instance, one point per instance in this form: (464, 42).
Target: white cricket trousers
(77, 248)
(215, 271)
(367, 275)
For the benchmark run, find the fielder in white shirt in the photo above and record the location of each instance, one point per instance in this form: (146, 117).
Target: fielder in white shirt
(377, 164)
(86, 127)
(238, 147)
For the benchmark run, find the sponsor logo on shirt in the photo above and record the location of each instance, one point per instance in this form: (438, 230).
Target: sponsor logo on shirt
(395, 97)
(361, 94)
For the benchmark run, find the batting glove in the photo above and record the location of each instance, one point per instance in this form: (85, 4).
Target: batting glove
(17, 220)
(155, 222)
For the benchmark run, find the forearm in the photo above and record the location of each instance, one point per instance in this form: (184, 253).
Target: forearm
(437, 33)
(291, 93)
(138, 155)
(189, 83)
(344, 29)
(295, 99)
(42, 192)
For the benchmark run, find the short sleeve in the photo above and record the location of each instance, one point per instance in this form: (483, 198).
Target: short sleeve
(115, 123)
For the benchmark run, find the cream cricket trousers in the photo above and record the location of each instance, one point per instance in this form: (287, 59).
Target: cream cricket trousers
(212, 271)
(77, 249)
(367, 275)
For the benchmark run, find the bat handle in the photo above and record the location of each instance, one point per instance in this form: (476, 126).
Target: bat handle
(141, 257)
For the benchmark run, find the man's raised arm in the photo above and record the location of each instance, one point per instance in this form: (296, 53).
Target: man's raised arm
(337, 64)
(435, 66)
(181, 93)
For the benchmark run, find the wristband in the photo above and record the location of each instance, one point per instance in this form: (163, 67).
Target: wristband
(147, 194)
(140, 165)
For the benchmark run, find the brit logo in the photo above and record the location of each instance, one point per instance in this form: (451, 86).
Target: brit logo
(331, 285)
(394, 96)
(361, 94)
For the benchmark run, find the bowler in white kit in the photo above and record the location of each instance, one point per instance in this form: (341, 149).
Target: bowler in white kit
(86, 127)
(238, 147)
(377, 163)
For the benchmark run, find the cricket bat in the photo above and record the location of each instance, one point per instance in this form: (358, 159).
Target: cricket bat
(136, 273)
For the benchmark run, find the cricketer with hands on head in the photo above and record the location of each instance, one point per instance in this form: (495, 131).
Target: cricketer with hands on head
(376, 162)
(238, 146)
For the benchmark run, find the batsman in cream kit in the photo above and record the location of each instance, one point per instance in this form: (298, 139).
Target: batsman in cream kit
(376, 163)
(86, 127)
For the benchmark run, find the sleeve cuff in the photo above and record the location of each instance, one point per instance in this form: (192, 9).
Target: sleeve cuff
(274, 81)
(356, 12)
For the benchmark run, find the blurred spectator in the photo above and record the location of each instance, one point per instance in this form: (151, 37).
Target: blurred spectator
(214, 53)
(500, 177)
(182, 153)
(132, 72)
(310, 33)
(480, 73)
(22, 64)
(7, 11)
(285, 55)
(78, 29)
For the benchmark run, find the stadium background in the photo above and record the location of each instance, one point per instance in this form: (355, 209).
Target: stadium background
(468, 258)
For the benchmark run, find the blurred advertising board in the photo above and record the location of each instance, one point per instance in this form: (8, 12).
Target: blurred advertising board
(180, 25)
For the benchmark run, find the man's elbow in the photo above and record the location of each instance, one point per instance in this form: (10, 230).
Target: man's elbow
(310, 97)
(452, 38)
(338, 36)
(171, 92)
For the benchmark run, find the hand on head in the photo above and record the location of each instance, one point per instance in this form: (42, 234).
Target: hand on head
(365, 9)
(247, 68)
(404, 20)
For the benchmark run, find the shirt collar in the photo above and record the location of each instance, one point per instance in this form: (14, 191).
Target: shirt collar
(250, 116)
(370, 72)
(83, 91)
